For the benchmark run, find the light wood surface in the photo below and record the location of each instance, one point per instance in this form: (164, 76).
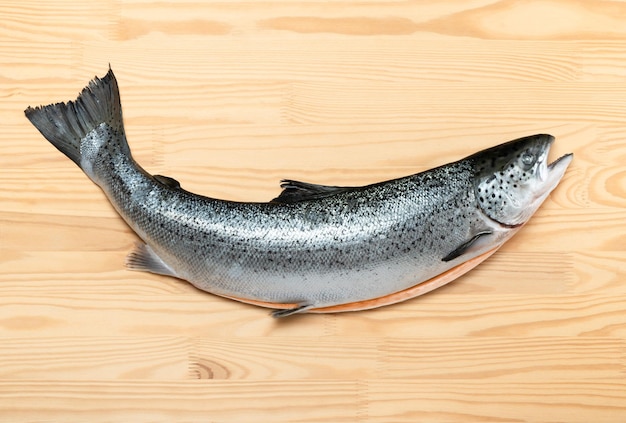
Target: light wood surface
(230, 97)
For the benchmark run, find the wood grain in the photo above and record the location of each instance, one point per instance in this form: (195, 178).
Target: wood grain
(230, 97)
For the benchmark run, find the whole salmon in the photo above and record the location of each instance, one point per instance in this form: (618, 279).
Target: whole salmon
(314, 248)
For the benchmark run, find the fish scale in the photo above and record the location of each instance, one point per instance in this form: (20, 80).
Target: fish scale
(314, 247)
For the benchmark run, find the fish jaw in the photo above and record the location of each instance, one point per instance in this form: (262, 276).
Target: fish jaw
(548, 180)
(556, 170)
(549, 176)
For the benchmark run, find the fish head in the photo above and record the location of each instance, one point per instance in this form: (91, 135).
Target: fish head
(514, 178)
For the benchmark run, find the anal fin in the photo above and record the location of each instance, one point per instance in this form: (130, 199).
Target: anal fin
(144, 259)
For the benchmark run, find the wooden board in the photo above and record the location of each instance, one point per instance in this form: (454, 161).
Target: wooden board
(230, 97)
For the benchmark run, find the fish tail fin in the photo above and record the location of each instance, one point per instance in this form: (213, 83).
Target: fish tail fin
(66, 124)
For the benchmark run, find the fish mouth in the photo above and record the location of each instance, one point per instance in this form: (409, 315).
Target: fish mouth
(567, 158)
(555, 164)
(552, 173)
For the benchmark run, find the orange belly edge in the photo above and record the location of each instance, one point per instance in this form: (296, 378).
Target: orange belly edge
(396, 297)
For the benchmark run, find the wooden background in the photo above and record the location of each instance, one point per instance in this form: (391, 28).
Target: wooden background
(229, 97)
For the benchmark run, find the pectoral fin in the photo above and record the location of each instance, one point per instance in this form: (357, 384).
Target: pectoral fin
(466, 247)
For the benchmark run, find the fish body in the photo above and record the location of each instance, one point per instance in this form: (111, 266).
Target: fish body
(314, 247)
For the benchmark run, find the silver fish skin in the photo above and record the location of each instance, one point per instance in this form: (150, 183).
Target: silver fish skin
(313, 246)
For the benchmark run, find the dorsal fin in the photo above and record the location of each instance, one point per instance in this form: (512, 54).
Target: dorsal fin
(294, 191)
(166, 180)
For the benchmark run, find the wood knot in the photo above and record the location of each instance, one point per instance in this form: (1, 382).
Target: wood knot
(200, 368)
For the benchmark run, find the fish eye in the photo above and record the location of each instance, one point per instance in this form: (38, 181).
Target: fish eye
(528, 158)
